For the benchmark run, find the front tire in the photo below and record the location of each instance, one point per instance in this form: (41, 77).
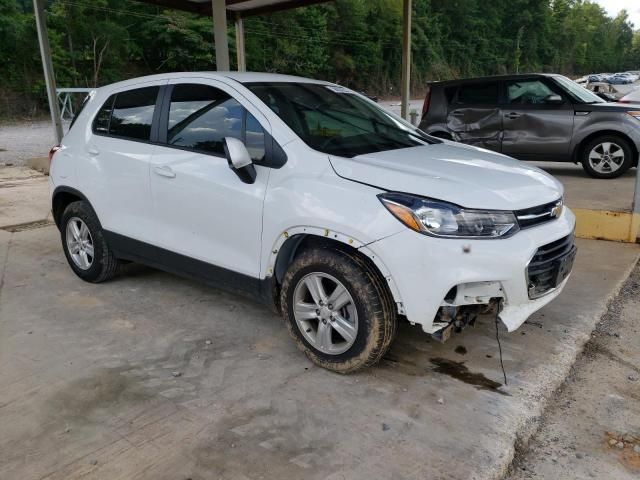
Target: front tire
(607, 156)
(84, 245)
(337, 309)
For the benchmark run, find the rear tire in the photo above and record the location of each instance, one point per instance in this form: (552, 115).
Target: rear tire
(607, 156)
(355, 332)
(84, 245)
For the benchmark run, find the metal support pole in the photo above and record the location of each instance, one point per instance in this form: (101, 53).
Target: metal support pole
(219, 11)
(240, 52)
(47, 66)
(406, 58)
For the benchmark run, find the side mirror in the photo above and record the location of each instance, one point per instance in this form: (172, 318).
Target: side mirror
(553, 100)
(239, 159)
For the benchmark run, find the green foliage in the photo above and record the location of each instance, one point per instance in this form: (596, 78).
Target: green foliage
(353, 42)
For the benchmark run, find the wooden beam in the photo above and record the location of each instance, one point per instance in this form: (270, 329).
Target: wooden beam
(276, 7)
(203, 8)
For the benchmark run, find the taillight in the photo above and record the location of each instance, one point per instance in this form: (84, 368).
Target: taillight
(53, 150)
(427, 100)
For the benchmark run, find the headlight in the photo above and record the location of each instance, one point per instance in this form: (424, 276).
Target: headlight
(443, 219)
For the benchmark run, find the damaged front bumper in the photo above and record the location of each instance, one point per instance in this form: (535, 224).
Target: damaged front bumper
(447, 282)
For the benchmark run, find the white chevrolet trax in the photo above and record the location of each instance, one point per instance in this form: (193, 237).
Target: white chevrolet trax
(313, 199)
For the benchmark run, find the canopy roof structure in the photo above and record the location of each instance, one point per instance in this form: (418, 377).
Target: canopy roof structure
(219, 10)
(243, 8)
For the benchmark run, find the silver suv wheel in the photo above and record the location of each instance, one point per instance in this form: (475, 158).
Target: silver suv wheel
(606, 157)
(79, 243)
(325, 313)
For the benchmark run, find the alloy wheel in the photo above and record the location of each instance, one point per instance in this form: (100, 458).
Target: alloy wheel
(606, 157)
(79, 243)
(325, 313)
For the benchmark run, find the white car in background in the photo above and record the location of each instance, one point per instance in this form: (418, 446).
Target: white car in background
(313, 199)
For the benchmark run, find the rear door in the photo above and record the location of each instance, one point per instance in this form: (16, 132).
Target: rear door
(115, 171)
(474, 115)
(535, 124)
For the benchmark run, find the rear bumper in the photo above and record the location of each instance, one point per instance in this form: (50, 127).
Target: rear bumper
(425, 270)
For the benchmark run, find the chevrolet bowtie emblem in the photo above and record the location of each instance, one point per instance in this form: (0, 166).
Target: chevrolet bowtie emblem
(556, 211)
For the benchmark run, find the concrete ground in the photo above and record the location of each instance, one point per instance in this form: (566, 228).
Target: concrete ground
(154, 376)
(592, 428)
(24, 196)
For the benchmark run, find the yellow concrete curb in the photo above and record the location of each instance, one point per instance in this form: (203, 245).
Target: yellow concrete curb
(606, 225)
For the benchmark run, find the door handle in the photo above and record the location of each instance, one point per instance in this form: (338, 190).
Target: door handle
(164, 171)
(457, 113)
(92, 150)
(512, 115)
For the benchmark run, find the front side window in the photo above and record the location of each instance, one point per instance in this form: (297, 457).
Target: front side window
(200, 117)
(478, 94)
(335, 120)
(133, 113)
(527, 92)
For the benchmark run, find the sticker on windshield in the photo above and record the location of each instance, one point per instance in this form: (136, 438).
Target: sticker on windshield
(338, 89)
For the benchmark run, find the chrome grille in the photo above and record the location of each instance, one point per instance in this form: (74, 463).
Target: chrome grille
(530, 217)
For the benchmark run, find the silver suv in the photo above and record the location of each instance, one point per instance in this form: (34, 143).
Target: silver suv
(536, 117)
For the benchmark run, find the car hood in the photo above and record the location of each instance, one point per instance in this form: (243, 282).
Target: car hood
(467, 176)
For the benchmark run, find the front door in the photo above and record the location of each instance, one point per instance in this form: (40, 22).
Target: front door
(538, 120)
(474, 115)
(202, 209)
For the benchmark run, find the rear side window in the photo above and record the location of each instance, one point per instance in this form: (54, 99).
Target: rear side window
(201, 116)
(84, 103)
(101, 122)
(478, 94)
(133, 113)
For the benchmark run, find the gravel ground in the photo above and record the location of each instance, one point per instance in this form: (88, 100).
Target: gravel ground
(22, 141)
(592, 427)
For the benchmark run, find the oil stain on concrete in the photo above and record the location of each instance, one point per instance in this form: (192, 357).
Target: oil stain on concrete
(459, 371)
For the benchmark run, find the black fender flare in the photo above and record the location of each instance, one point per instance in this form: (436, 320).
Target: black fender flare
(56, 211)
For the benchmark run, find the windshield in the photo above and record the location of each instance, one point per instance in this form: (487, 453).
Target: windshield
(336, 120)
(580, 94)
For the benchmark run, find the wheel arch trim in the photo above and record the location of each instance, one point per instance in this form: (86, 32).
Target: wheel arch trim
(577, 150)
(69, 190)
(286, 245)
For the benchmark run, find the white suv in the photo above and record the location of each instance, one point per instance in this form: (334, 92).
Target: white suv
(313, 199)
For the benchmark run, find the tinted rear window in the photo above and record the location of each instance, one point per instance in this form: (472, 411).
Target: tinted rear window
(478, 94)
(133, 112)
